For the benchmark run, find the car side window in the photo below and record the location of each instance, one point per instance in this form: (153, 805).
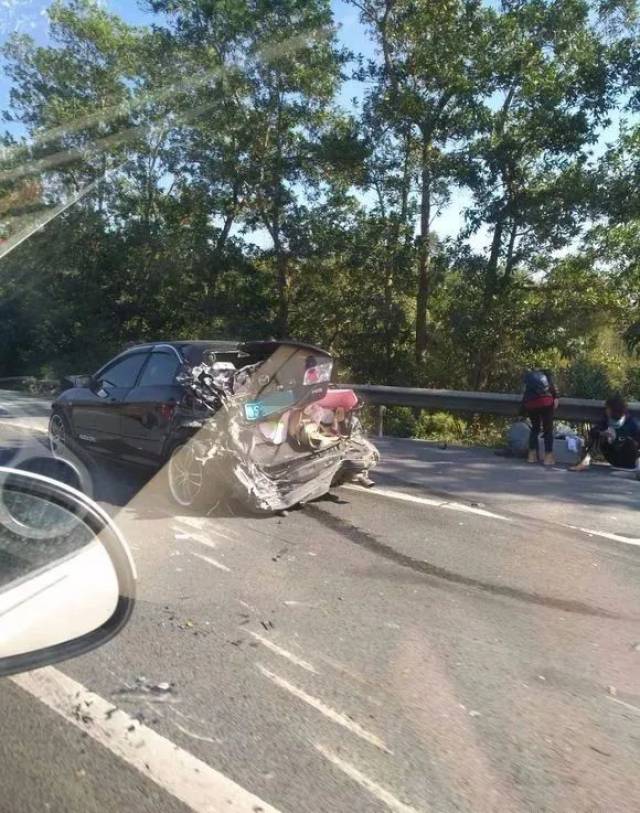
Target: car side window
(123, 373)
(161, 370)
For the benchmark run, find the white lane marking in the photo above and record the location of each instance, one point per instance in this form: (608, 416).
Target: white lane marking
(213, 562)
(284, 653)
(374, 788)
(200, 538)
(327, 711)
(203, 524)
(343, 670)
(628, 540)
(204, 535)
(175, 770)
(194, 522)
(210, 529)
(626, 705)
(451, 506)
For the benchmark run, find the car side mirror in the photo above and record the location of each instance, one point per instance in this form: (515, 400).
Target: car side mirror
(67, 580)
(73, 381)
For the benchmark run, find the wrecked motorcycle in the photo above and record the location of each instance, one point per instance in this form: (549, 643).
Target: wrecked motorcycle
(270, 433)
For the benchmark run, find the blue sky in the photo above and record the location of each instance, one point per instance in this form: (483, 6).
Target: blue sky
(29, 17)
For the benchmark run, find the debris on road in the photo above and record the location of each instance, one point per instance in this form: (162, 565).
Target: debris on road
(612, 691)
(599, 751)
(149, 691)
(162, 687)
(80, 714)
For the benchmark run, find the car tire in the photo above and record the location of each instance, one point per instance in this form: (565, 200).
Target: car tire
(59, 434)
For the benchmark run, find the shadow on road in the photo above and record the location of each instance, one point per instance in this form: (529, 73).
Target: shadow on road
(375, 545)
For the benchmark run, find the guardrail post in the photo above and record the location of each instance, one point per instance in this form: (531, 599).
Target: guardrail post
(380, 410)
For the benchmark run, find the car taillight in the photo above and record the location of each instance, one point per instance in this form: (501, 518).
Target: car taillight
(319, 373)
(167, 410)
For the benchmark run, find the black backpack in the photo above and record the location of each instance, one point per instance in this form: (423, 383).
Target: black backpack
(536, 382)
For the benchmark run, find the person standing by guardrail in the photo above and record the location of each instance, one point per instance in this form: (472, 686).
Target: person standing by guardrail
(539, 403)
(616, 437)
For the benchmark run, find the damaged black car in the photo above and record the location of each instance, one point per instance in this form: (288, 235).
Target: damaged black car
(257, 422)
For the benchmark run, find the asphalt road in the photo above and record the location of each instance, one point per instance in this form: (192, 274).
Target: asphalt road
(430, 646)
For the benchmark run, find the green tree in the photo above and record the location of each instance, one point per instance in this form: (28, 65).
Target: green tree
(426, 91)
(554, 81)
(276, 70)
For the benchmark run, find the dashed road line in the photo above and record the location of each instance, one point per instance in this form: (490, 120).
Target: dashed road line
(213, 562)
(627, 540)
(428, 501)
(194, 522)
(201, 539)
(326, 711)
(284, 653)
(382, 794)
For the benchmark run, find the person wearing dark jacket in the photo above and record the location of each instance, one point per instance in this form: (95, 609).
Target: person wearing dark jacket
(539, 403)
(616, 437)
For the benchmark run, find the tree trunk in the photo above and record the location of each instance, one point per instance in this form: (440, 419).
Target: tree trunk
(511, 253)
(424, 258)
(393, 262)
(282, 282)
(494, 258)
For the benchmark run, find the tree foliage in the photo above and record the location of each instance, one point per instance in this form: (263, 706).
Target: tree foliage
(203, 176)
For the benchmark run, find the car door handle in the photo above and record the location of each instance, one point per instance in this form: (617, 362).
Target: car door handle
(112, 400)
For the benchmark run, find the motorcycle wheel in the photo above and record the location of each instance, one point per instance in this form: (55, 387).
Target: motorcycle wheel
(186, 478)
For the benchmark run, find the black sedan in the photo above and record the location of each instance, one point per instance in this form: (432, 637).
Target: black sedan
(257, 421)
(126, 409)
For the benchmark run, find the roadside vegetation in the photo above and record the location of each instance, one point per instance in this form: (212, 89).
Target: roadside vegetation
(221, 172)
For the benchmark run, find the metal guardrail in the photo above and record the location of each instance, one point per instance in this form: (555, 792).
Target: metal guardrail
(483, 403)
(486, 403)
(30, 385)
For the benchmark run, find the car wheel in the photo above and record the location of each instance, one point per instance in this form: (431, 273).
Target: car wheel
(188, 485)
(59, 435)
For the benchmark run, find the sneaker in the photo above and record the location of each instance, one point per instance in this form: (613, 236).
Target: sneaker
(583, 465)
(532, 457)
(549, 459)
